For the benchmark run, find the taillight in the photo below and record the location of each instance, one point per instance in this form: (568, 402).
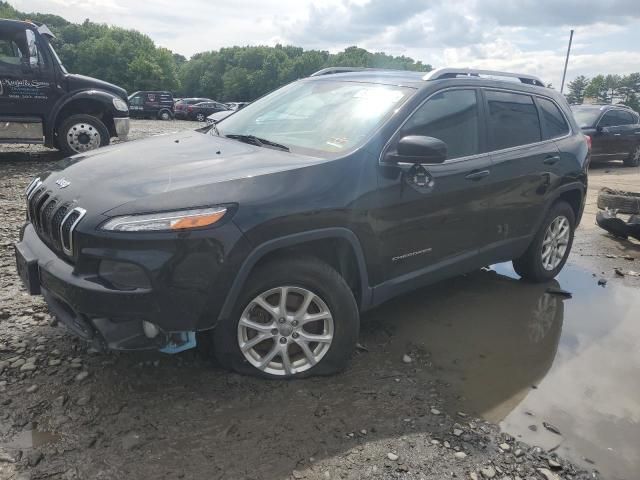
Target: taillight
(190, 109)
(588, 139)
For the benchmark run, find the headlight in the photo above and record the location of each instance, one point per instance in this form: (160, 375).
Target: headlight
(120, 105)
(165, 221)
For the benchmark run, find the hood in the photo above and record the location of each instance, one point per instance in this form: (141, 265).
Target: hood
(77, 82)
(181, 170)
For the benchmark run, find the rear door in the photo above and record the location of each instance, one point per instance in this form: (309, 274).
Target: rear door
(620, 129)
(524, 164)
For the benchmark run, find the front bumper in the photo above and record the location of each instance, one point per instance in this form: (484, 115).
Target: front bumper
(121, 125)
(174, 301)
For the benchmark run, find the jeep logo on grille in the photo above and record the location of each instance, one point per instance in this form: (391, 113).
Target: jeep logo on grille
(63, 183)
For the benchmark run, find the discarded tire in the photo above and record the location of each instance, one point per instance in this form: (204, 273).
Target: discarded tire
(623, 202)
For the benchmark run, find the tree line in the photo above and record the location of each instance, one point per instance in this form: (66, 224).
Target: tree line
(623, 89)
(131, 60)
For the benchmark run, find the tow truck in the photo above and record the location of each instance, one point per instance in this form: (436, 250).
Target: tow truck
(42, 103)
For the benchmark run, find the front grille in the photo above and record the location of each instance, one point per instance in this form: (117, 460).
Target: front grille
(53, 220)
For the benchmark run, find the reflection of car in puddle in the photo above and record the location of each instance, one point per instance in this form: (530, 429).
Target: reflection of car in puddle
(490, 336)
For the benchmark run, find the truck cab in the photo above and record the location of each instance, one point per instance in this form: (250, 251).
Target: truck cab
(42, 103)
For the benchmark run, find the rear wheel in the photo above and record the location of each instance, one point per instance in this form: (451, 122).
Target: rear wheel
(550, 247)
(81, 133)
(164, 115)
(201, 117)
(297, 317)
(633, 160)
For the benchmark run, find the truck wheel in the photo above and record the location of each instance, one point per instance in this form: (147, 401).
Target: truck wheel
(81, 133)
(296, 317)
(550, 247)
(633, 160)
(165, 115)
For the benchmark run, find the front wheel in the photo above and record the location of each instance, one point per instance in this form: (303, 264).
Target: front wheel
(201, 117)
(81, 133)
(550, 247)
(633, 160)
(296, 318)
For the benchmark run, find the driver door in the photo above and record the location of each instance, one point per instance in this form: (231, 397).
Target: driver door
(432, 216)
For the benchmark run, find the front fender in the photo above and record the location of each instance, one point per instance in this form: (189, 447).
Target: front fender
(101, 96)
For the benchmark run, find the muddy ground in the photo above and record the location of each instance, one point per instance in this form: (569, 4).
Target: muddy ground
(482, 376)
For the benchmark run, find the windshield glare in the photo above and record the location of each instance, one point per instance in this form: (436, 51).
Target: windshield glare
(586, 117)
(320, 117)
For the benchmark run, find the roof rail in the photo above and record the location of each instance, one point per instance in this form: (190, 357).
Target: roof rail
(332, 70)
(441, 73)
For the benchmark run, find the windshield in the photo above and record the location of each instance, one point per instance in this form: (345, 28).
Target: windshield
(321, 118)
(55, 55)
(586, 116)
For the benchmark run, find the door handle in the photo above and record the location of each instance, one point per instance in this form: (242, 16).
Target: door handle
(617, 134)
(477, 175)
(551, 159)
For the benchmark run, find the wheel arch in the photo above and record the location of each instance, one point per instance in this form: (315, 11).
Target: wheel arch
(96, 103)
(339, 247)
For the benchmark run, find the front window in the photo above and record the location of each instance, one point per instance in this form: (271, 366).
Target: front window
(586, 117)
(318, 117)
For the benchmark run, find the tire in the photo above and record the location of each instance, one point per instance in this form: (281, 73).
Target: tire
(298, 275)
(533, 265)
(622, 202)
(165, 115)
(76, 129)
(201, 117)
(633, 160)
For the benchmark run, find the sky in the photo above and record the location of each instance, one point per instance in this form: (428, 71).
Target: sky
(527, 36)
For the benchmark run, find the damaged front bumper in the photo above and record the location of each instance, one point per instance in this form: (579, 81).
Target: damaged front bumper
(70, 297)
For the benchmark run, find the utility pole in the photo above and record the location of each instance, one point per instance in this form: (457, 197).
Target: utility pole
(566, 61)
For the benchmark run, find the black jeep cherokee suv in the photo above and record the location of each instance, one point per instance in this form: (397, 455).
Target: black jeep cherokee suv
(325, 198)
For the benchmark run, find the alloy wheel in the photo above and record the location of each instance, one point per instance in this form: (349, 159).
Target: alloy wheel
(285, 330)
(555, 242)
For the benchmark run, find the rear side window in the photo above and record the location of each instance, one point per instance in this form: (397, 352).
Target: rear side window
(626, 118)
(554, 122)
(614, 118)
(450, 116)
(513, 120)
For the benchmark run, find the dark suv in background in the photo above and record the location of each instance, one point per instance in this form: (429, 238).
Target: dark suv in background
(151, 104)
(614, 132)
(275, 228)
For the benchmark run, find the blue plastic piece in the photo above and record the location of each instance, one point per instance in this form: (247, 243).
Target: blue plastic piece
(180, 341)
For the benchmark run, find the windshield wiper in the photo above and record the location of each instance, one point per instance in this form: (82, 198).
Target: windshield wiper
(258, 142)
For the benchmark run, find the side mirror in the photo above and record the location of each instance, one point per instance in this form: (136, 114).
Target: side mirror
(599, 129)
(419, 149)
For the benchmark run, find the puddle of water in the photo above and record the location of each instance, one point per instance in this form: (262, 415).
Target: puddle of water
(519, 356)
(27, 439)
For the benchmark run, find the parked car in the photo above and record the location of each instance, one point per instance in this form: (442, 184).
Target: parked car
(181, 106)
(614, 132)
(236, 105)
(42, 103)
(151, 104)
(271, 232)
(216, 117)
(200, 111)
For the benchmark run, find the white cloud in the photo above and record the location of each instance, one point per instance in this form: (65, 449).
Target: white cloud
(523, 35)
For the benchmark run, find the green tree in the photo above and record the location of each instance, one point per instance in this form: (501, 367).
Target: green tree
(576, 89)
